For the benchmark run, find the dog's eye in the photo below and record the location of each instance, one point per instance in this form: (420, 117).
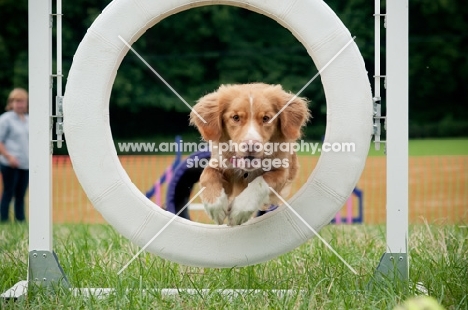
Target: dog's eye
(236, 118)
(266, 119)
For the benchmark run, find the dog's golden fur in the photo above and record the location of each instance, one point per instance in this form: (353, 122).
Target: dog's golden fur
(242, 114)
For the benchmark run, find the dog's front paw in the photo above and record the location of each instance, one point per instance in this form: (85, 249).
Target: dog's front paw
(249, 201)
(218, 209)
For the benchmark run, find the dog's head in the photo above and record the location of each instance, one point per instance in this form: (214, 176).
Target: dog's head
(250, 115)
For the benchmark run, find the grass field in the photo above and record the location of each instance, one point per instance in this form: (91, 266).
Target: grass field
(417, 147)
(91, 256)
(433, 147)
(426, 147)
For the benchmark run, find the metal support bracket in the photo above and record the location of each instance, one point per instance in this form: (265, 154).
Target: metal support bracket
(377, 127)
(385, 18)
(392, 269)
(59, 121)
(45, 271)
(384, 79)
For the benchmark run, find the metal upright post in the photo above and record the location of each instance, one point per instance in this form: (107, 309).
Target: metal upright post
(397, 134)
(394, 263)
(43, 268)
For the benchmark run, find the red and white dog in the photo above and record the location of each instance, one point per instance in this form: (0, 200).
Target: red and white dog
(246, 124)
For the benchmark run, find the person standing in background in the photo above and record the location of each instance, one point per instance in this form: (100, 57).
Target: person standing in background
(14, 153)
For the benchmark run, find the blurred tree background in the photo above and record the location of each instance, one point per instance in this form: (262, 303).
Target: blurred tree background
(199, 49)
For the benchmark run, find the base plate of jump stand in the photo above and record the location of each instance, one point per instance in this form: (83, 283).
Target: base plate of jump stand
(44, 273)
(392, 269)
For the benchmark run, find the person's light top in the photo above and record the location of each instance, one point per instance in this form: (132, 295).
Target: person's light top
(14, 134)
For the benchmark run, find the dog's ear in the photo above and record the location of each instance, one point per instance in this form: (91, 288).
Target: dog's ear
(294, 116)
(206, 116)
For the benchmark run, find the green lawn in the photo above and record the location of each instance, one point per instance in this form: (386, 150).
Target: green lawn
(421, 147)
(91, 256)
(426, 147)
(432, 147)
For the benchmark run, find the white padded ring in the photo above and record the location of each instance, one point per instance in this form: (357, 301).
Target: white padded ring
(95, 160)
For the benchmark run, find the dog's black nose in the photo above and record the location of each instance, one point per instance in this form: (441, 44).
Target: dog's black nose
(250, 157)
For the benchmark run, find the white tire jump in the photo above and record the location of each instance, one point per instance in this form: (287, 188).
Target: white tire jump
(125, 207)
